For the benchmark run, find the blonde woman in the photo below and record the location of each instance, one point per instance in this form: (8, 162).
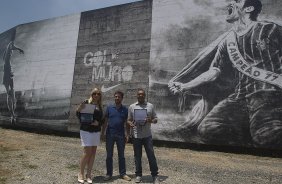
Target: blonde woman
(90, 135)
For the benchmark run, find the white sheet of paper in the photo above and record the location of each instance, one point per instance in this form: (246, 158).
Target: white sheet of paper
(89, 109)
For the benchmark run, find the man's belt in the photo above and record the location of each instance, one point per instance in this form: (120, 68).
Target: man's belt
(244, 67)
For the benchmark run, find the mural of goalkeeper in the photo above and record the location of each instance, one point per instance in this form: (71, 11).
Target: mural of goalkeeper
(252, 50)
(8, 80)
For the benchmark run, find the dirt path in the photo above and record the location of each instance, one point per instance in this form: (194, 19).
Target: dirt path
(37, 158)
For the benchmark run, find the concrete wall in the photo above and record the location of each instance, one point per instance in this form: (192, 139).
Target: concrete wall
(144, 44)
(113, 52)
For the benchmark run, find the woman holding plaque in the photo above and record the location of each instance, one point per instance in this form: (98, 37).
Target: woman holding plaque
(90, 114)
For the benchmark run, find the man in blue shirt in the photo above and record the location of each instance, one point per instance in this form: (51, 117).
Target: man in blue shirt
(115, 121)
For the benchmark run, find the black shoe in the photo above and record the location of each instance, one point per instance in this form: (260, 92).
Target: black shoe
(107, 178)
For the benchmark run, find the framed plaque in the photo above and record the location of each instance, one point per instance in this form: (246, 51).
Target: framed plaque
(86, 118)
(140, 116)
(87, 114)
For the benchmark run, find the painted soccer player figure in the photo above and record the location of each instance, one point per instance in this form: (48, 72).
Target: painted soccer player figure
(254, 110)
(8, 80)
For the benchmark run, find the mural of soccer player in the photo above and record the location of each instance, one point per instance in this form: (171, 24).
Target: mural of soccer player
(8, 80)
(253, 51)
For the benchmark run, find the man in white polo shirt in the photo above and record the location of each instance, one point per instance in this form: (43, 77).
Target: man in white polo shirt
(142, 134)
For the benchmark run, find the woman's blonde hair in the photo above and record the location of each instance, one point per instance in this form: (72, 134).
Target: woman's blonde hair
(96, 90)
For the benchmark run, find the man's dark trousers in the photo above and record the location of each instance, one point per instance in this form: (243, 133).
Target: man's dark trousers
(120, 142)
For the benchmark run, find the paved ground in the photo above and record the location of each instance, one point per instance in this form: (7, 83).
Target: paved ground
(29, 157)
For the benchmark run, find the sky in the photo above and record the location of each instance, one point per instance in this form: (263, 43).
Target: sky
(15, 12)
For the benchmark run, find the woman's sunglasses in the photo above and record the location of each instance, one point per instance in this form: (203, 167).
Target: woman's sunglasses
(96, 94)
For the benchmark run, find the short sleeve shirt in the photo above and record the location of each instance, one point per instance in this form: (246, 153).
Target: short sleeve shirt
(142, 131)
(116, 119)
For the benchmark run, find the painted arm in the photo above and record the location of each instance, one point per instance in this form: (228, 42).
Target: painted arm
(208, 76)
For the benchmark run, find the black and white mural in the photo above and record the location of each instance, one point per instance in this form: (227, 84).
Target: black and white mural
(212, 68)
(7, 49)
(36, 69)
(215, 71)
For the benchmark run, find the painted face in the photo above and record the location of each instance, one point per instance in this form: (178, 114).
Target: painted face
(235, 10)
(118, 99)
(141, 96)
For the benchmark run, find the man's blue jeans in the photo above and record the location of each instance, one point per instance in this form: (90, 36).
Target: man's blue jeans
(120, 142)
(148, 145)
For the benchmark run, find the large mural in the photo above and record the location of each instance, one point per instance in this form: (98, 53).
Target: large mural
(211, 68)
(36, 69)
(215, 71)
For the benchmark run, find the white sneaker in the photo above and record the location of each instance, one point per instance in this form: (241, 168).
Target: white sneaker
(88, 180)
(138, 179)
(156, 180)
(80, 178)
